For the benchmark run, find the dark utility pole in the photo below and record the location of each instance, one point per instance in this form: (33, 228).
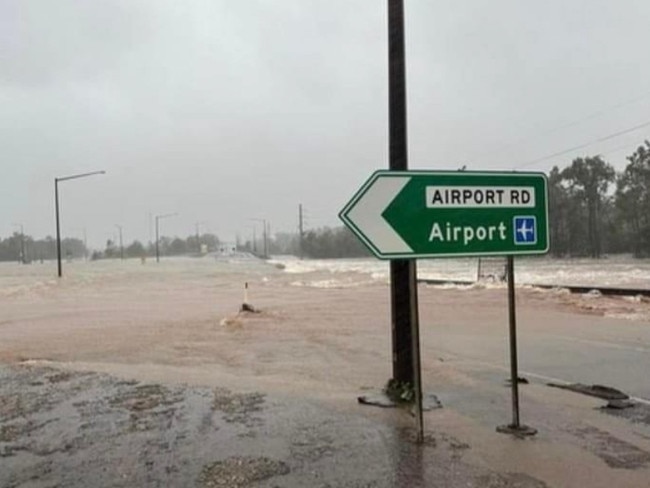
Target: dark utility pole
(301, 231)
(402, 272)
(23, 257)
(121, 244)
(85, 245)
(264, 236)
(23, 251)
(157, 246)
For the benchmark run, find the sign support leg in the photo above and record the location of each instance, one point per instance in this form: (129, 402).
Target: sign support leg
(415, 338)
(512, 320)
(515, 427)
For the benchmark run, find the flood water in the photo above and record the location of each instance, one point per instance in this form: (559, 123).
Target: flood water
(156, 358)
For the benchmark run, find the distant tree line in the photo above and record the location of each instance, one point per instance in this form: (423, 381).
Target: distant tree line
(167, 246)
(594, 210)
(333, 243)
(24, 248)
(323, 243)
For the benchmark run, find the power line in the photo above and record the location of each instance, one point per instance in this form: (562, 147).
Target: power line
(616, 149)
(587, 144)
(567, 125)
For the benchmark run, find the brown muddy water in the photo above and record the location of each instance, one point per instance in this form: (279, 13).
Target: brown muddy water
(123, 374)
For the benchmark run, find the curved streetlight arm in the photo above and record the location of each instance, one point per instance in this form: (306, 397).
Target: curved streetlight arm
(82, 175)
(56, 210)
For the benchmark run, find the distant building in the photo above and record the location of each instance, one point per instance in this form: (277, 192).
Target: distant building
(227, 249)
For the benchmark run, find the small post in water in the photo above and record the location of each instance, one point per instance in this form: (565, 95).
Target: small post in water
(515, 427)
(247, 307)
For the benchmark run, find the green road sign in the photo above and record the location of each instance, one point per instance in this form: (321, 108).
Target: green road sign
(426, 214)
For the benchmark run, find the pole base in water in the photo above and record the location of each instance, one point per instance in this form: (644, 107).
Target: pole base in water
(517, 430)
(246, 307)
(429, 401)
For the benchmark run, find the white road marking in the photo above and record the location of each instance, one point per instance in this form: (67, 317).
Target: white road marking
(565, 382)
(611, 345)
(542, 377)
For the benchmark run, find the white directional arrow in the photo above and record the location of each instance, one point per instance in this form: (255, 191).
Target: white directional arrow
(364, 214)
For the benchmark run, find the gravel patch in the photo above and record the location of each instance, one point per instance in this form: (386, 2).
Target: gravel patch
(240, 472)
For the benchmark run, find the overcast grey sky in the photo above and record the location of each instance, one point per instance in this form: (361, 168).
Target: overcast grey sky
(224, 111)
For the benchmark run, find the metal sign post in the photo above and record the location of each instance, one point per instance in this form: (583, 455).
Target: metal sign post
(417, 370)
(515, 427)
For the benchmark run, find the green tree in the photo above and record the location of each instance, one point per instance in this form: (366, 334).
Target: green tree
(588, 180)
(135, 250)
(211, 240)
(333, 243)
(111, 250)
(285, 243)
(558, 203)
(633, 200)
(177, 246)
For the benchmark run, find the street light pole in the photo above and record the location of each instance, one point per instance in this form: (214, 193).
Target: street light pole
(119, 227)
(263, 221)
(85, 244)
(158, 217)
(58, 228)
(157, 247)
(198, 237)
(267, 233)
(23, 259)
(56, 206)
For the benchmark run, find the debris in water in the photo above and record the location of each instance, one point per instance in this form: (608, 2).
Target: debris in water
(246, 307)
(520, 379)
(231, 322)
(599, 391)
(619, 404)
(429, 401)
(593, 294)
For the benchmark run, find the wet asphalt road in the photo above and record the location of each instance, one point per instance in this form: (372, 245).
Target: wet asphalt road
(552, 345)
(71, 429)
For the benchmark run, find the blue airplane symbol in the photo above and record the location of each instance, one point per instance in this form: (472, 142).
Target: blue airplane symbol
(524, 231)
